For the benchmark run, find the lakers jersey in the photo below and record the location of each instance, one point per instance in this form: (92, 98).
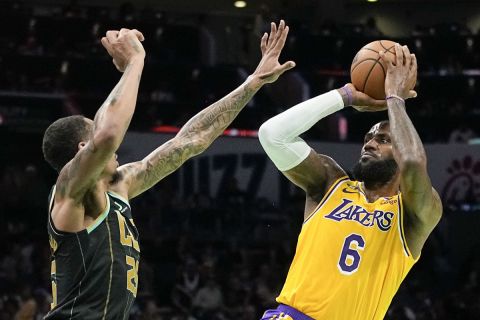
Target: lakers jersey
(351, 256)
(94, 272)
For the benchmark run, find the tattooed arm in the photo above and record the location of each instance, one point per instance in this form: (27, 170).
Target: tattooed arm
(82, 173)
(111, 120)
(421, 203)
(200, 131)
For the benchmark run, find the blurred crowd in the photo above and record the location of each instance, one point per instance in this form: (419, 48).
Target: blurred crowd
(221, 258)
(225, 257)
(51, 60)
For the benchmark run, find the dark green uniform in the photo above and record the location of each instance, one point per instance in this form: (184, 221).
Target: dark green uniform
(95, 271)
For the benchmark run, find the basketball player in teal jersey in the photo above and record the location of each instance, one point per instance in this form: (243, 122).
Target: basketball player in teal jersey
(94, 242)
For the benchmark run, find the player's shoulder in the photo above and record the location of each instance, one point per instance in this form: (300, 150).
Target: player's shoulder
(342, 183)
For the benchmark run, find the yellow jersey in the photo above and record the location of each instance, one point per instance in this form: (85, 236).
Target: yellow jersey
(351, 256)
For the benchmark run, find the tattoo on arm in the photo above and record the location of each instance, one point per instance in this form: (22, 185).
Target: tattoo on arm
(212, 121)
(112, 98)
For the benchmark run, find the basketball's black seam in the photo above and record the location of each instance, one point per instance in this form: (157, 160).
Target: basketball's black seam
(370, 50)
(381, 43)
(377, 61)
(367, 59)
(388, 49)
(381, 66)
(368, 74)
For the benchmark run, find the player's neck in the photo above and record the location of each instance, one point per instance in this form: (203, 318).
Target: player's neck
(389, 189)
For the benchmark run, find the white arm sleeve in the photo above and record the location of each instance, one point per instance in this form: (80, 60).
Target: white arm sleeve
(279, 135)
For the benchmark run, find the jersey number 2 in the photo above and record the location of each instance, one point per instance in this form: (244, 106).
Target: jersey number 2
(350, 257)
(132, 275)
(127, 239)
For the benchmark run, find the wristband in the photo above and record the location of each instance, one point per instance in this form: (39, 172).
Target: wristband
(349, 94)
(394, 96)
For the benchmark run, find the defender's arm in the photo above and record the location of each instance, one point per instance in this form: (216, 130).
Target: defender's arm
(200, 131)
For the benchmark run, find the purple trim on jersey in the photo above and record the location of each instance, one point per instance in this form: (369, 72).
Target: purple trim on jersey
(325, 197)
(402, 230)
(286, 310)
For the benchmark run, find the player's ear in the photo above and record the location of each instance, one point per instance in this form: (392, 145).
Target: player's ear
(81, 144)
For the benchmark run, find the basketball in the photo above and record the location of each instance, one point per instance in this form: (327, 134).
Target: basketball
(368, 70)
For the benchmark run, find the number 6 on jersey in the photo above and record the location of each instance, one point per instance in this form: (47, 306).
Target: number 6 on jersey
(350, 256)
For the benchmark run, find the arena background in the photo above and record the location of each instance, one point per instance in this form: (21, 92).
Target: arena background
(225, 225)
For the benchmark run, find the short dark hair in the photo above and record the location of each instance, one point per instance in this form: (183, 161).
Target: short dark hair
(380, 124)
(60, 141)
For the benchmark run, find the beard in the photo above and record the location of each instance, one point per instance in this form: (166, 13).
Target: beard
(375, 174)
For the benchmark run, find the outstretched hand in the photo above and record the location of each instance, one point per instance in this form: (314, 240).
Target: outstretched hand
(124, 46)
(401, 74)
(269, 69)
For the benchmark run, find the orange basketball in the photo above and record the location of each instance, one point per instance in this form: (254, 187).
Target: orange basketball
(368, 70)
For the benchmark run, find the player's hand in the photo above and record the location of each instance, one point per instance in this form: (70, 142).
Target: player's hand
(361, 101)
(124, 47)
(401, 73)
(269, 69)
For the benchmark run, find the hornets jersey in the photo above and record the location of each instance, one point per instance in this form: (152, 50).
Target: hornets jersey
(351, 256)
(94, 272)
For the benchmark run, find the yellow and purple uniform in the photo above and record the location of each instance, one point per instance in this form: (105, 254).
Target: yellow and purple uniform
(351, 256)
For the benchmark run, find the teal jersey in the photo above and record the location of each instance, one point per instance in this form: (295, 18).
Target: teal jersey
(94, 272)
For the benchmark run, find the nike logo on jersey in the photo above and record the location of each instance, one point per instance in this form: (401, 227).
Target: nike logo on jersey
(347, 190)
(351, 188)
(353, 212)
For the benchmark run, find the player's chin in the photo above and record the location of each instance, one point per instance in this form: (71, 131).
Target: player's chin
(366, 158)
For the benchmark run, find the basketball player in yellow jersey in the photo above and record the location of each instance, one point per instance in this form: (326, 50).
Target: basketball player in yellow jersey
(360, 237)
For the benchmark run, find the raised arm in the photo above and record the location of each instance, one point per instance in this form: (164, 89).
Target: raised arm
(421, 202)
(200, 131)
(109, 126)
(280, 137)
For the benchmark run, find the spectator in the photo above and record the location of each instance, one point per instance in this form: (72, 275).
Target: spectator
(209, 299)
